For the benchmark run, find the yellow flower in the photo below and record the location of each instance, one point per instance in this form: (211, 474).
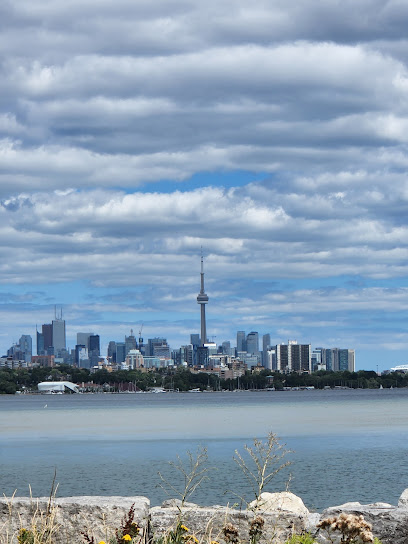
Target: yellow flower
(126, 537)
(184, 528)
(102, 542)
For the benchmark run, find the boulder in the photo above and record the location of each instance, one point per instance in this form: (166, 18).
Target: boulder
(279, 502)
(403, 500)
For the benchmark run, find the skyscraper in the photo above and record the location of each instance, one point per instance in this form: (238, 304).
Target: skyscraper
(252, 343)
(202, 299)
(58, 333)
(47, 336)
(83, 338)
(40, 342)
(26, 347)
(241, 341)
(130, 342)
(266, 344)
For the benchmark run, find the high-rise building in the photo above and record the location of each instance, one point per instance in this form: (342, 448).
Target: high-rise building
(294, 357)
(252, 343)
(158, 347)
(58, 335)
(47, 336)
(185, 355)
(130, 342)
(58, 341)
(120, 352)
(202, 300)
(266, 345)
(112, 351)
(81, 356)
(94, 349)
(94, 344)
(241, 341)
(270, 359)
(26, 347)
(40, 342)
(83, 338)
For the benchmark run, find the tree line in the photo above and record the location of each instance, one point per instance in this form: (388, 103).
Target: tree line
(182, 379)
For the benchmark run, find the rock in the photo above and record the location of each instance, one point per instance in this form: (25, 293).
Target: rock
(403, 500)
(68, 517)
(284, 502)
(177, 503)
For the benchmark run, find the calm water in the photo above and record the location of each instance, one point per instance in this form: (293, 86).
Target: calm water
(347, 445)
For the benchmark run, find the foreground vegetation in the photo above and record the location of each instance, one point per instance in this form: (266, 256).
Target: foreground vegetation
(183, 379)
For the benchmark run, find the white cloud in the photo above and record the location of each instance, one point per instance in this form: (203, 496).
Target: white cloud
(106, 106)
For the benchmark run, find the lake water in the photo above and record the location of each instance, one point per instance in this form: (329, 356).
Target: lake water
(348, 445)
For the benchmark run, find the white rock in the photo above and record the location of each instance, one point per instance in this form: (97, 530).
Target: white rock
(403, 500)
(283, 502)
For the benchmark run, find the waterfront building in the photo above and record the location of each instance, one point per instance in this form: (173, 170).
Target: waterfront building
(337, 359)
(347, 360)
(294, 357)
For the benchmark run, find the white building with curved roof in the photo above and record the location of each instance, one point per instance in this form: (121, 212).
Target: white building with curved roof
(399, 368)
(57, 387)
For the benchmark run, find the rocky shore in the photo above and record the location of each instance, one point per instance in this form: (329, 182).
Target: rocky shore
(284, 513)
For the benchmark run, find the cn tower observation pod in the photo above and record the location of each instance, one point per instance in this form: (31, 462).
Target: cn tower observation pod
(57, 387)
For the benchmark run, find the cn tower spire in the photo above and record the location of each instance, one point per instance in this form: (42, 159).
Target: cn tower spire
(202, 299)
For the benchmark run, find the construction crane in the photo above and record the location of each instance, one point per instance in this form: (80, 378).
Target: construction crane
(140, 335)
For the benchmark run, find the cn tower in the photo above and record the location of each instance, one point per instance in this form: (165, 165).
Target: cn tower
(202, 299)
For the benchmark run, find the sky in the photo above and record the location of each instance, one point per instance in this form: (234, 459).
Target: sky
(272, 134)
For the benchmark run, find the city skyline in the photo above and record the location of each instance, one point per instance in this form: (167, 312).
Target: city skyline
(273, 135)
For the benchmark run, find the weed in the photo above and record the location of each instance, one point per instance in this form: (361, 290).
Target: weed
(262, 463)
(352, 529)
(193, 474)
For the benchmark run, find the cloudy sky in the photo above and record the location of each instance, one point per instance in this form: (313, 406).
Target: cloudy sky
(273, 134)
